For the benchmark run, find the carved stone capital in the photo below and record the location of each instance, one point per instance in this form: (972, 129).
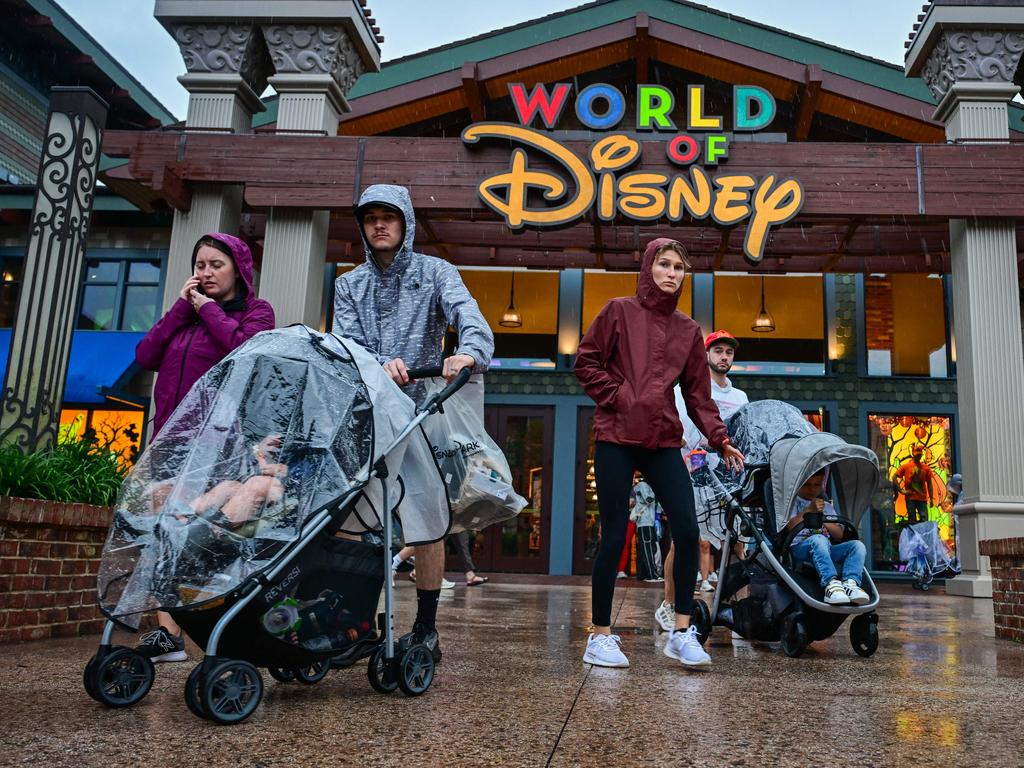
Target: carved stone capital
(225, 49)
(314, 50)
(972, 56)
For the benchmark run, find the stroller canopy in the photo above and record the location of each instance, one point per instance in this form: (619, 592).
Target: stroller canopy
(284, 427)
(753, 429)
(853, 469)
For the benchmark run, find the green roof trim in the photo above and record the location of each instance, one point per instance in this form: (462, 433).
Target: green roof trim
(699, 18)
(24, 200)
(85, 43)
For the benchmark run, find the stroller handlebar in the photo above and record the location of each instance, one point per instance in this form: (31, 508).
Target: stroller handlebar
(425, 373)
(434, 403)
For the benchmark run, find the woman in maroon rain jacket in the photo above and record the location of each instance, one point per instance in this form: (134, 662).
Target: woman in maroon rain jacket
(628, 363)
(217, 312)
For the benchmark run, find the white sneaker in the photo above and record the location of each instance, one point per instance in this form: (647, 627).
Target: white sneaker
(700, 577)
(445, 584)
(604, 651)
(835, 594)
(713, 578)
(621, 575)
(857, 595)
(706, 586)
(683, 645)
(666, 616)
(655, 580)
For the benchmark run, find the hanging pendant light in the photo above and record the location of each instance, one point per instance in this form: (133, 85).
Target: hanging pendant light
(764, 322)
(512, 318)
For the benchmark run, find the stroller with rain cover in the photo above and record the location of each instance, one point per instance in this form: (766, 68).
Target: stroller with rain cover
(227, 522)
(926, 554)
(785, 600)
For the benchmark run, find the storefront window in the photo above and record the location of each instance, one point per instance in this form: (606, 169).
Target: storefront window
(915, 458)
(905, 325)
(10, 283)
(120, 294)
(796, 304)
(599, 287)
(534, 343)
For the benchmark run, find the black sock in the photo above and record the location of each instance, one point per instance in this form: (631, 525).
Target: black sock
(426, 607)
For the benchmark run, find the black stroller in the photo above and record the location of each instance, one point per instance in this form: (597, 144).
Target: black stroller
(228, 523)
(785, 600)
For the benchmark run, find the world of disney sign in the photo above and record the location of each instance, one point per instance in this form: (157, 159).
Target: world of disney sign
(602, 178)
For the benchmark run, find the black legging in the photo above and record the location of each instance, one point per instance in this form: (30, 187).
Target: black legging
(665, 472)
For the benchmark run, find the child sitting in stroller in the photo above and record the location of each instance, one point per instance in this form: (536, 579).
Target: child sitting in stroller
(814, 544)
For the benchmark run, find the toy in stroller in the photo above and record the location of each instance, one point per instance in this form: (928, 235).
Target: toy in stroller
(785, 600)
(251, 569)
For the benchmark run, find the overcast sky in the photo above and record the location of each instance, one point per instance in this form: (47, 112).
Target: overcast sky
(127, 29)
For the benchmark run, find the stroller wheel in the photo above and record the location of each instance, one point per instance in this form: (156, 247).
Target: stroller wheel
(231, 691)
(282, 675)
(700, 617)
(416, 670)
(864, 634)
(89, 679)
(193, 694)
(121, 678)
(380, 673)
(313, 673)
(794, 635)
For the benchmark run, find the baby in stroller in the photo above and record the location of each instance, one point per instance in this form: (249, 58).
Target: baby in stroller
(814, 543)
(778, 511)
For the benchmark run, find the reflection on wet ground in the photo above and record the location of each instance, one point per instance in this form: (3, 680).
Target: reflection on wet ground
(512, 690)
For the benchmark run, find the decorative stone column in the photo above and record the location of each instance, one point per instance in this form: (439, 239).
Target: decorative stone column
(41, 341)
(227, 66)
(968, 56)
(315, 65)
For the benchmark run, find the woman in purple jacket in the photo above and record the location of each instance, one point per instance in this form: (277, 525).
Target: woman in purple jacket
(217, 312)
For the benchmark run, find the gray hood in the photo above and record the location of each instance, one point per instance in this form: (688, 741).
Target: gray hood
(396, 197)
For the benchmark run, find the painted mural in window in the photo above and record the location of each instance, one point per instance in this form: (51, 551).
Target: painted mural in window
(120, 432)
(915, 459)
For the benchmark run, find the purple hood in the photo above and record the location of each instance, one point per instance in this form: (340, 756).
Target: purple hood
(184, 344)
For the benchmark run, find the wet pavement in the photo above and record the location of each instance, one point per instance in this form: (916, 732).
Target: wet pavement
(512, 690)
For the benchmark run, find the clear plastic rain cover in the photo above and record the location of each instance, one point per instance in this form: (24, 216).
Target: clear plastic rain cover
(753, 430)
(284, 426)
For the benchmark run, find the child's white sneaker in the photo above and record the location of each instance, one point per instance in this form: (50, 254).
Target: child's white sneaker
(835, 593)
(666, 616)
(706, 586)
(604, 651)
(683, 645)
(857, 595)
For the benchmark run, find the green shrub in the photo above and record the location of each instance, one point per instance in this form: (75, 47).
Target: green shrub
(73, 471)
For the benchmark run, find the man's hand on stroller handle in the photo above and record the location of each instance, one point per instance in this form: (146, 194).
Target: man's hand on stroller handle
(397, 371)
(454, 364)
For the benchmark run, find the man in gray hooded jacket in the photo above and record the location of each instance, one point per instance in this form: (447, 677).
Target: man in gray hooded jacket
(398, 305)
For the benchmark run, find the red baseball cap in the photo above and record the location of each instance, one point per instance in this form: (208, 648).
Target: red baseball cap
(721, 337)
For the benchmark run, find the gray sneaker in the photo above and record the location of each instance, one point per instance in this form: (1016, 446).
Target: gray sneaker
(683, 645)
(160, 645)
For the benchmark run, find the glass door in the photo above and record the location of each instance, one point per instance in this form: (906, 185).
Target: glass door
(526, 436)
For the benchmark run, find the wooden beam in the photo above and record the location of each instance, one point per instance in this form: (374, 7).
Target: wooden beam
(424, 222)
(723, 246)
(473, 91)
(844, 244)
(642, 48)
(810, 94)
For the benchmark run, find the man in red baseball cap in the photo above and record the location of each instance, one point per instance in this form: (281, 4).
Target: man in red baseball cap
(721, 349)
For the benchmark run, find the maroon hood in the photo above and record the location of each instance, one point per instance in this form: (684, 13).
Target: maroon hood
(649, 294)
(240, 254)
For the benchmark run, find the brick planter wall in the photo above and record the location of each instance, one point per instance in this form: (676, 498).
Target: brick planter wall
(1007, 556)
(49, 557)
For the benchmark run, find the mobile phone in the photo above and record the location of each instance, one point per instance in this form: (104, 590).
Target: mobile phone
(199, 289)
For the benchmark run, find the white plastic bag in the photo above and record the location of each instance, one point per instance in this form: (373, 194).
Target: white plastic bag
(475, 471)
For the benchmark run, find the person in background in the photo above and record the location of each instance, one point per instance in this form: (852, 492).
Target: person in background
(216, 312)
